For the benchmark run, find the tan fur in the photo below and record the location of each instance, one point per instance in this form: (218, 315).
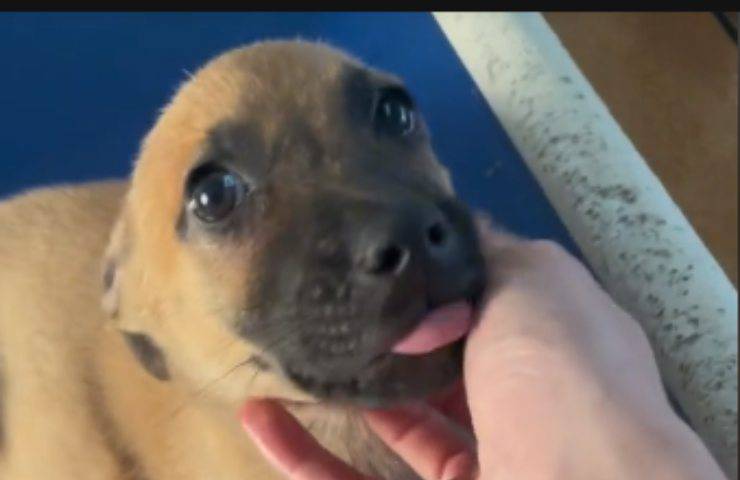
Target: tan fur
(75, 402)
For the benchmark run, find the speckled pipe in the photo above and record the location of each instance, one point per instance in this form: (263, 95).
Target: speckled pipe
(636, 239)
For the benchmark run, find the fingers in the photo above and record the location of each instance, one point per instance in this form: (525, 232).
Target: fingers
(289, 447)
(453, 404)
(433, 446)
(493, 235)
(496, 243)
(429, 443)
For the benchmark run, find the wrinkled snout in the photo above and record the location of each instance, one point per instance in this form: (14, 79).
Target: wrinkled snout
(352, 275)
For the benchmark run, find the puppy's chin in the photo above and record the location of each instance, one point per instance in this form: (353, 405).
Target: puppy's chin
(389, 379)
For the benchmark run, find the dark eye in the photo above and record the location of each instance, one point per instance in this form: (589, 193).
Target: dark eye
(394, 112)
(214, 192)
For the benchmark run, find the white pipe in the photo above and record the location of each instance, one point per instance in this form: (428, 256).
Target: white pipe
(641, 246)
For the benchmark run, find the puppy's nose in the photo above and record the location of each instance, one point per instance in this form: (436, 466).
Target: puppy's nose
(392, 257)
(439, 240)
(417, 237)
(385, 259)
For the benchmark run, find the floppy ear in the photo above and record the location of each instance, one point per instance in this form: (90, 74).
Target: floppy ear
(115, 263)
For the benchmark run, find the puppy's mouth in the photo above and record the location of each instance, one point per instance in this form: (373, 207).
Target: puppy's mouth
(421, 362)
(378, 319)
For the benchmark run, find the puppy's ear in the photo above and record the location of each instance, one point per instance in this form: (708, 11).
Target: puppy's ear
(115, 264)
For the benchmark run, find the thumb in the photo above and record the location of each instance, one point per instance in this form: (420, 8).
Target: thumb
(493, 236)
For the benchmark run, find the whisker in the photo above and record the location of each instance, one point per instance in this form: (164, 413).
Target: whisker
(285, 336)
(200, 391)
(276, 333)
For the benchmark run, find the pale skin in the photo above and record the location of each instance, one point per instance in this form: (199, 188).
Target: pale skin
(559, 382)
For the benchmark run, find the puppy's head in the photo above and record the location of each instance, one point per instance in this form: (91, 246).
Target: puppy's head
(287, 223)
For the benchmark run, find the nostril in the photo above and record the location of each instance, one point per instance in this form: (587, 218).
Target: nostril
(437, 235)
(390, 259)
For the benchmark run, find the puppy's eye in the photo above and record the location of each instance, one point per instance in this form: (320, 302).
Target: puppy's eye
(394, 112)
(214, 193)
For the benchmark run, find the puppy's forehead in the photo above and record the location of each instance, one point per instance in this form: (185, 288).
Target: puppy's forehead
(271, 83)
(294, 101)
(263, 91)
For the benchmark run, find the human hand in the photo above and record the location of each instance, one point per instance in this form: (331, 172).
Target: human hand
(562, 383)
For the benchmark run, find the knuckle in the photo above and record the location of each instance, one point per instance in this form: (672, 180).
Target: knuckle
(547, 248)
(460, 465)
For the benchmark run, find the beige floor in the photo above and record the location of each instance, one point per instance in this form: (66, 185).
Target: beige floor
(671, 80)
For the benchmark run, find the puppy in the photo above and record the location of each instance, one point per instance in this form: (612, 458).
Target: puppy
(287, 232)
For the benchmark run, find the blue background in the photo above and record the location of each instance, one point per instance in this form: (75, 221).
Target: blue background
(78, 91)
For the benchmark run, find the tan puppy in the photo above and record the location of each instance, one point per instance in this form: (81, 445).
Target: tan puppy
(286, 225)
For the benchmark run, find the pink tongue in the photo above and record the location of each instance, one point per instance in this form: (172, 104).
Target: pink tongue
(440, 327)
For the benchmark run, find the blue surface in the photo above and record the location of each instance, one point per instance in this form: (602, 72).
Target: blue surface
(78, 91)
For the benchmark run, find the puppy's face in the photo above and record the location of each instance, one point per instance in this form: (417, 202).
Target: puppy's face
(287, 225)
